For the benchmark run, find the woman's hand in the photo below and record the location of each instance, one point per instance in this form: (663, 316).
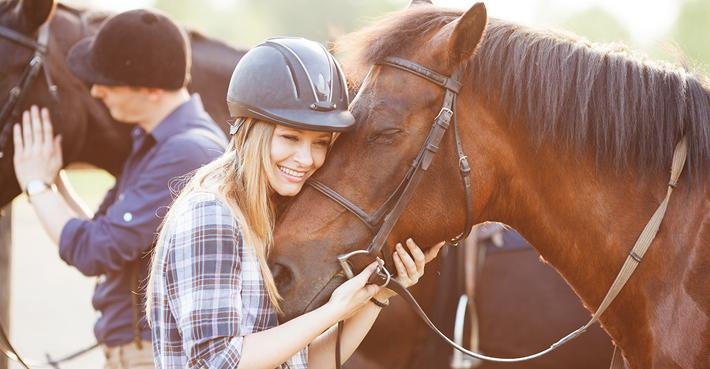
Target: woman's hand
(38, 154)
(352, 295)
(409, 265)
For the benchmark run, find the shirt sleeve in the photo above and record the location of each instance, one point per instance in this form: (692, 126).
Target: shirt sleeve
(126, 229)
(204, 285)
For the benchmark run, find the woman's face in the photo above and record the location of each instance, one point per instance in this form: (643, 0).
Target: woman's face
(295, 155)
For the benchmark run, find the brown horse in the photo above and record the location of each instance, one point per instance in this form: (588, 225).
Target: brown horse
(90, 134)
(569, 143)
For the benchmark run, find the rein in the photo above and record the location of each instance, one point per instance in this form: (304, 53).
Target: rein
(404, 192)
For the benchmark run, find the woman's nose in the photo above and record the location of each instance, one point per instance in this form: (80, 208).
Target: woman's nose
(303, 155)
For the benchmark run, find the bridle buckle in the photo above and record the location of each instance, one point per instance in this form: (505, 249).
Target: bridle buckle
(381, 271)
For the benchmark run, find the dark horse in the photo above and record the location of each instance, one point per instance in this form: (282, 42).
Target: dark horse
(90, 135)
(569, 143)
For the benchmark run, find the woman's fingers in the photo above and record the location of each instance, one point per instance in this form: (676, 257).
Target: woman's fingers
(417, 254)
(409, 264)
(434, 251)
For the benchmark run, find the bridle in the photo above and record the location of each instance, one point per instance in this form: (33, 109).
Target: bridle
(18, 92)
(404, 191)
(383, 220)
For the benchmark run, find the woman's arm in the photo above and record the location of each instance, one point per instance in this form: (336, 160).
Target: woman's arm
(268, 349)
(410, 267)
(203, 282)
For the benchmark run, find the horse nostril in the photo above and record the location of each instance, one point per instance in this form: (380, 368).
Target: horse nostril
(283, 276)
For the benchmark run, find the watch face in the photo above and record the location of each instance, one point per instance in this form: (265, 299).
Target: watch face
(36, 186)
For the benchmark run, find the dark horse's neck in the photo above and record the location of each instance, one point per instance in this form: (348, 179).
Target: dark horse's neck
(89, 133)
(568, 185)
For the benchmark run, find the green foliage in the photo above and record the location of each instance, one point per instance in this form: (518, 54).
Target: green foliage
(691, 31)
(246, 23)
(597, 25)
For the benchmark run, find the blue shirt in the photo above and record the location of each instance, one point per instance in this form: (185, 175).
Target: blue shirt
(119, 238)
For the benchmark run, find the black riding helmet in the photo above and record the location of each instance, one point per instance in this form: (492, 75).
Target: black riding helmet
(291, 81)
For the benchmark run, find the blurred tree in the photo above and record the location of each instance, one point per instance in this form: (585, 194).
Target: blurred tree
(598, 25)
(246, 23)
(691, 31)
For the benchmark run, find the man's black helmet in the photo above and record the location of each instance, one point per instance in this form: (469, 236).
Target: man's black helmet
(291, 81)
(138, 48)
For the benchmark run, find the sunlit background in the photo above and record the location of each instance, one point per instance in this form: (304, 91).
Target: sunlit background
(663, 29)
(44, 288)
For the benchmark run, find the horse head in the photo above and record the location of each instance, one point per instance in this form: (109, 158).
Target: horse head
(75, 114)
(366, 165)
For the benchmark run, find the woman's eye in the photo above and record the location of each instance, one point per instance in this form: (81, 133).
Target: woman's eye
(290, 138)
(324, 143)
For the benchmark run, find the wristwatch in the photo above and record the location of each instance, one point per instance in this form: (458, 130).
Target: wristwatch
(36, 186)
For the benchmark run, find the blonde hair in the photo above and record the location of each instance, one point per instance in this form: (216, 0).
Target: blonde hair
(238, 177)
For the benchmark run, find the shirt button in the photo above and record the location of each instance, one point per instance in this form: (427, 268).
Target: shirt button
(127, 217)
(121, 196)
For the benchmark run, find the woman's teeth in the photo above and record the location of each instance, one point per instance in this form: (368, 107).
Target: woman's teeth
(292, 172)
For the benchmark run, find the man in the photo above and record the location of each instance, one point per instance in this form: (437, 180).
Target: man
(138, 65)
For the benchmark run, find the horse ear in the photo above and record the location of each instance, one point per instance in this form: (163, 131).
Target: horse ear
(467, 34)
(419, 2)
(35, 12)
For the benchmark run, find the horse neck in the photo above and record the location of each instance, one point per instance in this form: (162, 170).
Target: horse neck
(582, 218)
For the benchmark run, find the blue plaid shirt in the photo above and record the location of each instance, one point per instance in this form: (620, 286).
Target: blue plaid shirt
(208, 291)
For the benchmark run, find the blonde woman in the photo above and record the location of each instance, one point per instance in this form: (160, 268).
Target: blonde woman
(212, 299)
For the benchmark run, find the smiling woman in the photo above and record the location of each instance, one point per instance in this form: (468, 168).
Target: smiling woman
(295, 156)
(212, 298)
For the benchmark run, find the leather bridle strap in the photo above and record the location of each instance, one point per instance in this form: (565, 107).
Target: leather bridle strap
(19, 91)
(17, 37)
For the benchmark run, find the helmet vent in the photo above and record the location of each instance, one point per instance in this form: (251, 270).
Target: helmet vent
(323, 106)
(293, 81)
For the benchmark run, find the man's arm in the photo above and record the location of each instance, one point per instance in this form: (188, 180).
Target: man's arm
(71, 197)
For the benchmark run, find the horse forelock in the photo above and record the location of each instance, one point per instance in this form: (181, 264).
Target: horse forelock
(399, 33)
(628, 110)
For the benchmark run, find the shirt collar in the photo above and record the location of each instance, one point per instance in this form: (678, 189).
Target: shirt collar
(188, 112)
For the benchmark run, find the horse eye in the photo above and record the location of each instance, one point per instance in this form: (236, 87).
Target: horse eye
(385, 136)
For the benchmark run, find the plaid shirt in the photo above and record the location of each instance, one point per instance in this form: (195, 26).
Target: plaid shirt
(208, 291)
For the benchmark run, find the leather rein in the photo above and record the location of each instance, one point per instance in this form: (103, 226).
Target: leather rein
(382, 221)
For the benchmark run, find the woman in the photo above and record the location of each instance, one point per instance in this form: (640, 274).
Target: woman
(212, 298)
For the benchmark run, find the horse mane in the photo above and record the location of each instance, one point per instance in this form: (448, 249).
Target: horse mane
(629, 110)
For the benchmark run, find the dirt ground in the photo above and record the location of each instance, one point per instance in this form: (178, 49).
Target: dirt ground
(50, 302)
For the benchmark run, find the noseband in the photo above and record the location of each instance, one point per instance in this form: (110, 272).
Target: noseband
(29, 75)
(383, 220)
